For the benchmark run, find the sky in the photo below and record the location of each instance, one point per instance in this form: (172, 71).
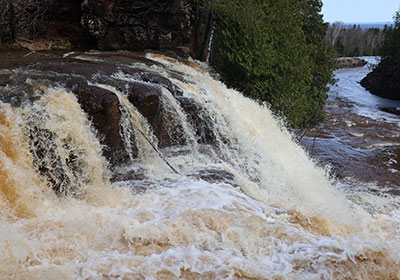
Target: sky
(359, 10)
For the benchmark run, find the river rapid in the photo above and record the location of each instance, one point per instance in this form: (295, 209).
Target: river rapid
(359, 139)
(251, 205)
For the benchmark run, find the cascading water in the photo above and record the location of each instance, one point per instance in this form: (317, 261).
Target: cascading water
(234, 198)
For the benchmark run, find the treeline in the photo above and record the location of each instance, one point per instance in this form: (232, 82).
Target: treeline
(384, 80)
(356, 41)
(273, 51)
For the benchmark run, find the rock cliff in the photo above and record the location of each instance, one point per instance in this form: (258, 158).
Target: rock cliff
(137, 25)
(102, 24)
(91, 78)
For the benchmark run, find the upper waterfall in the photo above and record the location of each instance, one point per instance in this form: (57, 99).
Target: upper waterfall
(115, 165)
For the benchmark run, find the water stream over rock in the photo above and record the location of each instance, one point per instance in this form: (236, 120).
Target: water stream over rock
(143, 166)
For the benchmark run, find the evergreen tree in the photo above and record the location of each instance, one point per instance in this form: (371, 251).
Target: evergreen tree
(384, 80)
(391, 45)
(321, 57)
(274, 51)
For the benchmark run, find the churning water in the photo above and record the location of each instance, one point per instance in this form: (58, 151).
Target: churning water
(269, 212)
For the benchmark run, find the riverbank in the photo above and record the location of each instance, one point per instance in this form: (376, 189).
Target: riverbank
(350, 62)
(360, 138)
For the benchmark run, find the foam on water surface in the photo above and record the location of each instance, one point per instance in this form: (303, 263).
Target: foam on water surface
(278, 217)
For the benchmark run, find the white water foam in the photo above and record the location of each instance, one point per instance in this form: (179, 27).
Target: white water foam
(282, 219)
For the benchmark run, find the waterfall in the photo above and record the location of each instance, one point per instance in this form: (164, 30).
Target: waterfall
(220, 189)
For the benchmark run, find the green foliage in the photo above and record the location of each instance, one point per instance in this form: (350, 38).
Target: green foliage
(274, 51)
(391, 45)
(384, 80)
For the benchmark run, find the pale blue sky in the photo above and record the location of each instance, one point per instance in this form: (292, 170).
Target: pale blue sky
(359, 10)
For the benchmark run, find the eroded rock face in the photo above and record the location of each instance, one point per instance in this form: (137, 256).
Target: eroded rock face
(154, 96)
(137, 25)
(102, 108)
(149, 100)
(201, 123)
(103, 84)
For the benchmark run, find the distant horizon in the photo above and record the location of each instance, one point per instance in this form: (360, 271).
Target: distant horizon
(363, 22)
(365, 25)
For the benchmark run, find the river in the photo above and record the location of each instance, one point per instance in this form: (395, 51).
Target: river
(359, 140)
(235, 198)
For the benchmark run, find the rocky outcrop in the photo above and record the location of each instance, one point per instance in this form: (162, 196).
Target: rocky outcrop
(384, 80)
(138, 25)
(102, 24)
(350, 62)
(154, 96)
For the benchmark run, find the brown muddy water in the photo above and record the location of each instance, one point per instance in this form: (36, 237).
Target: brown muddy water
(244, 200)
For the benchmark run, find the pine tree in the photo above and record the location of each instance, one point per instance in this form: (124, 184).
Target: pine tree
(384, 80)
(274, 51)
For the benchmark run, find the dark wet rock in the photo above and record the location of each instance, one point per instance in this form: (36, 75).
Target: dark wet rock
(32, 72)
(121, 57)
(384, 80)
(119, 85)
(5, 78)
(128, 175)
(159, 113)
(391, 110)
(27, 76)
(153, 78)
(102, 108)
(201, 123)
(162, 81)
(48, 162)
(17, 90)
(157, 79)
(137, 25)
(81, 68)
(350, 62)
(214, 175)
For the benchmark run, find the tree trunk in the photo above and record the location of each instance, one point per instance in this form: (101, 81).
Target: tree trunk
(1, 21)
(207, 38)
(12, 20)
(176, 4)
(196, 33)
